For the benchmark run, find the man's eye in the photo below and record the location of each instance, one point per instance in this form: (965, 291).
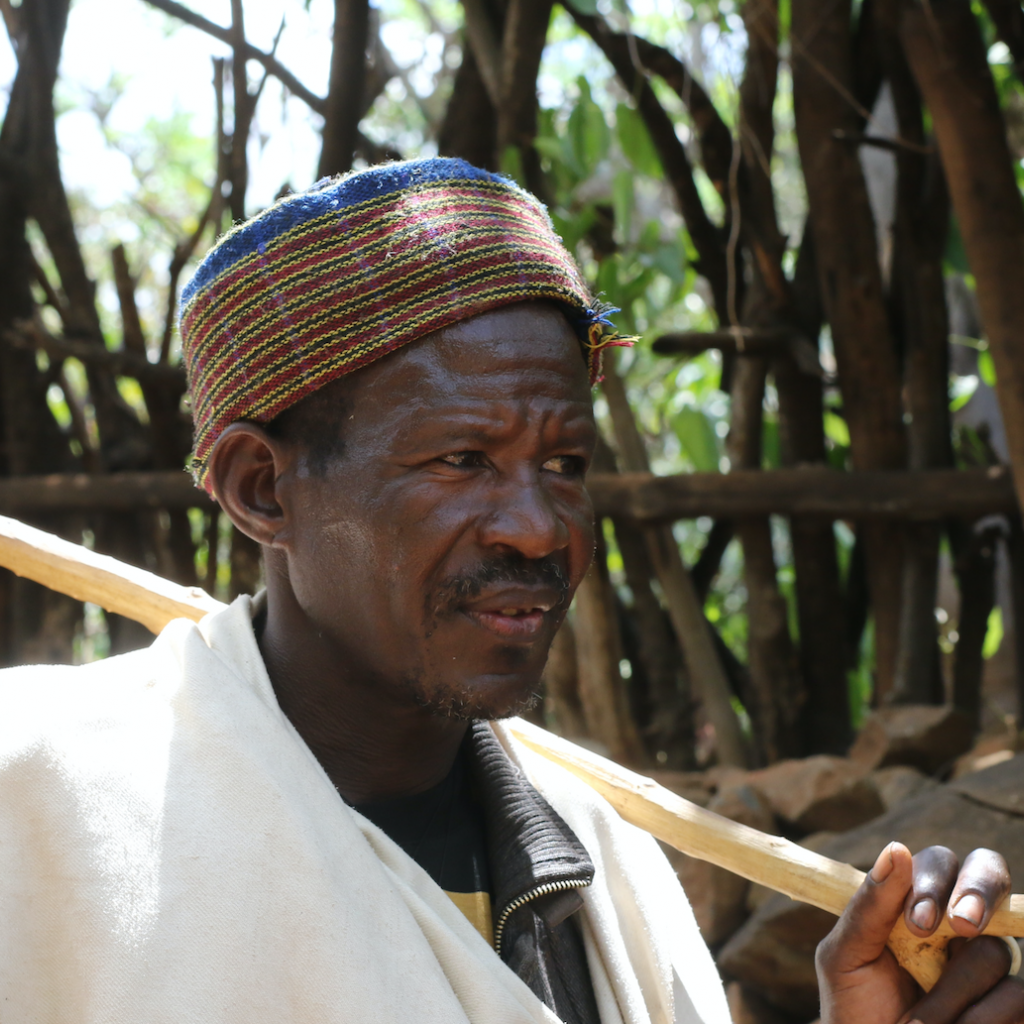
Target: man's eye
(565, 465)
(462, 459)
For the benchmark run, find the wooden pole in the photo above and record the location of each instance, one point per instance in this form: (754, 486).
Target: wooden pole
(87, 576)
(684, 607)
(767, 860)
(919, 495)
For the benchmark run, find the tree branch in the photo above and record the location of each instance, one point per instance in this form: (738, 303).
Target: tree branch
(268, 60)
(31, 335)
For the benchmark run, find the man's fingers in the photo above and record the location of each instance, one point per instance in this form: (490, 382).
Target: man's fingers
(973, 969)
(935, 874)
(983, 883)
(861, 933)
(1003, 1005)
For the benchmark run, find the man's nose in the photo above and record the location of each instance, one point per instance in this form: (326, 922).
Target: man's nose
(523, 517)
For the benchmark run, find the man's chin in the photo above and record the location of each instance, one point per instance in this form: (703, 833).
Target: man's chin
(471, 703)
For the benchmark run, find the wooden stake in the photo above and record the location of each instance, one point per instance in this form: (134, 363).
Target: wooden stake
(767, 860)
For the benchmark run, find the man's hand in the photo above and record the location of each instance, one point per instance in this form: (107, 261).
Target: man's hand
(860, 980)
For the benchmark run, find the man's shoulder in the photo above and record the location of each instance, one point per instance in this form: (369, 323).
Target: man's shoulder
(44, 706)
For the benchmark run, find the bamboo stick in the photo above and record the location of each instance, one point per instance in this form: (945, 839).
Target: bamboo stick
(768, 860)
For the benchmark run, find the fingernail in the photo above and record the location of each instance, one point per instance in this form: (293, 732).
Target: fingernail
(969, 908)
(883, 866)
(923, 914)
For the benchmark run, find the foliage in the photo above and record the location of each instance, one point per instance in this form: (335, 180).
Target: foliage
(610, 203)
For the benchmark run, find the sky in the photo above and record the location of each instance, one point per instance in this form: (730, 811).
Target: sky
(167, 68)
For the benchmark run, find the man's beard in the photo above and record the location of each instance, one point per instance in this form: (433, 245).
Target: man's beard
(468, 703)
(469, 706)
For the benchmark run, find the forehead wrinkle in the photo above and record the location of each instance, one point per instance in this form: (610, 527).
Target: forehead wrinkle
(491, 370)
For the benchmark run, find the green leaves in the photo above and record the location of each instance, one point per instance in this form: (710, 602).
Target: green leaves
(987, 368)
(636, 141)
(993, 633)
(836, 430)
(512, 165)
(697, 438)
(622, 202)
(587, 133)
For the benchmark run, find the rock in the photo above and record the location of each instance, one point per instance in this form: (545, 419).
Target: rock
(817, 794)
(899, 782)
(722, 776)
(988, 751)
(693, 786)
(746, 1007)
(1000, 786)
(718, 897)
(918, 735)
(773, 953)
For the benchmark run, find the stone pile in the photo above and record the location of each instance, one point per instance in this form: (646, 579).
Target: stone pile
(848, 809)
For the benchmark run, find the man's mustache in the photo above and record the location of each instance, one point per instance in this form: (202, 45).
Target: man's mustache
(456, 590)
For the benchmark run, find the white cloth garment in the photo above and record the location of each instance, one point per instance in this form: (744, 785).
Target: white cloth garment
(172, 852)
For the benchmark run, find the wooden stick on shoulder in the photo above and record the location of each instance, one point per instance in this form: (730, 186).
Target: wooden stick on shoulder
(768, 860)
(88, 576)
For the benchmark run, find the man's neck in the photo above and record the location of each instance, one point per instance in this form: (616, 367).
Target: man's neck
(371, 746)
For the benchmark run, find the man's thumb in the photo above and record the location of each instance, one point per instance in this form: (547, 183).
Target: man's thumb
(864, 927)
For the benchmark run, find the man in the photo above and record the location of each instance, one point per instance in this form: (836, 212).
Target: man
(306, 808)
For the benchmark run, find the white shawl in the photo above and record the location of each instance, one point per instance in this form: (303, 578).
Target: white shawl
(172, 852)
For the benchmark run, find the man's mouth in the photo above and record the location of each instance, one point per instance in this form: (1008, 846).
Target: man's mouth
(523, 620)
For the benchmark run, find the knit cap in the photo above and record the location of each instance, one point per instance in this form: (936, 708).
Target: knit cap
(329, 280)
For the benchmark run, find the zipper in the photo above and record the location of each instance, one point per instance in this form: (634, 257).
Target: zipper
(532, 894)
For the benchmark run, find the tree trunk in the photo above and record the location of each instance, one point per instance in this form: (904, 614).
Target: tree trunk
(526, 29)
(851, 285)
(562, 685)
(345, 89)
(920, 321)
(947, 55)
(824, 660)
(774, 675)
(692, 629)
(469, 128)
(602, 691)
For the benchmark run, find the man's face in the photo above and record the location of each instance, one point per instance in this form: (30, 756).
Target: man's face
(439, 551)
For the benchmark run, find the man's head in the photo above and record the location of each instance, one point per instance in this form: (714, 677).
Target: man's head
(436, 548)
(424, 518)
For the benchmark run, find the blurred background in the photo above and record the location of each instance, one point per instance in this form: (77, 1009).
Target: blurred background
(810, 579)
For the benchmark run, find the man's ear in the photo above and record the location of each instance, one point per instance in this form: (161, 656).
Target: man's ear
(245, 466)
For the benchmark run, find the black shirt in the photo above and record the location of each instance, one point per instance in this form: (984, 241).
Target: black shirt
(443, 830)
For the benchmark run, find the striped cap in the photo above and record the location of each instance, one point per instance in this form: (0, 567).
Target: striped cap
(329, 280)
